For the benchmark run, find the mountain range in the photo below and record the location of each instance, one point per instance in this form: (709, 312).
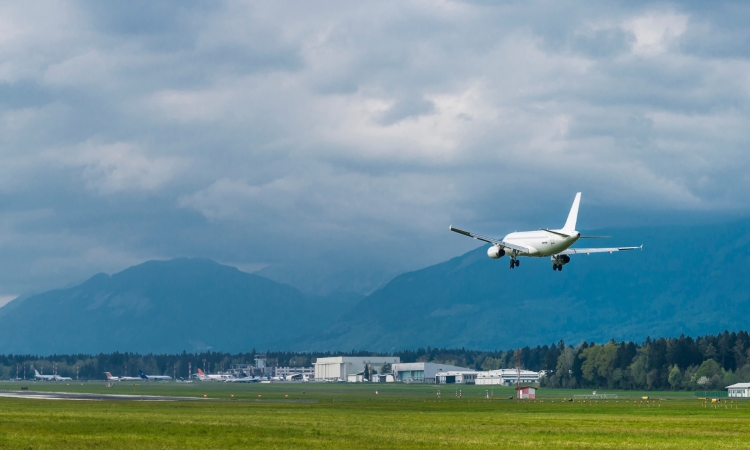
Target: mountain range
(687, 280)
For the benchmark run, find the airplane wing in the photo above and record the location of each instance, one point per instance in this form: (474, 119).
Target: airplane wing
(519, 248)
(576, 251)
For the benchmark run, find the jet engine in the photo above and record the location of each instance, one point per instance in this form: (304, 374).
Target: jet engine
(495, 252)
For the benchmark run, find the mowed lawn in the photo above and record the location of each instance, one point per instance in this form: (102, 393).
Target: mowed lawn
(354, 417)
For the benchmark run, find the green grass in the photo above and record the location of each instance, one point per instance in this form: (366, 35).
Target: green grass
(354, 417)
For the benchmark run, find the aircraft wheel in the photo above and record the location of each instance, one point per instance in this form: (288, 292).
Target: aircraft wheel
(559, 267)
(518, 263)
(554, 266)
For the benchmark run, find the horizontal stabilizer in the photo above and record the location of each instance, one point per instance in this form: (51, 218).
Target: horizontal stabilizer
(555, 232)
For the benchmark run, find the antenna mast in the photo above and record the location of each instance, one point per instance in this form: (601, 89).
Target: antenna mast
(518, 373)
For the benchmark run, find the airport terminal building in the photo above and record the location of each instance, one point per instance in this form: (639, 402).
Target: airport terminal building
(423, 372)
(338, 368)
(506, 377)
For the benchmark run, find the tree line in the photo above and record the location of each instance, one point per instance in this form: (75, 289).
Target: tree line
(683, 363)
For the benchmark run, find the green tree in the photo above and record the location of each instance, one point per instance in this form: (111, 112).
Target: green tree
(675, 377)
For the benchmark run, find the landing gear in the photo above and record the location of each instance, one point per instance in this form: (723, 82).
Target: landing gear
(514, 263)
(554, 266)
(518, 263)
(557, 267)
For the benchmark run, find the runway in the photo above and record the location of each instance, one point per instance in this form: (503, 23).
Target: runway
(35, 395)
(81, 396)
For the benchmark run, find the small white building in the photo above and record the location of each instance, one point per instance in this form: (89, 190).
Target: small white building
(423, 372)
(506, 377)
(338, 368)
(463, 377)
(526, 392)
(739, 390)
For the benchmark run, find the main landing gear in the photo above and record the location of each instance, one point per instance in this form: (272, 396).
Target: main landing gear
(514, 263)
(557, 267)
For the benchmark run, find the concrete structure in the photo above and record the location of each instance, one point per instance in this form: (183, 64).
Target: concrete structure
(286, 372)
(455, 377)
(506, 377)
(338, 368)
(526, 392)
(382, 378)
(423, 372)
(739, 390)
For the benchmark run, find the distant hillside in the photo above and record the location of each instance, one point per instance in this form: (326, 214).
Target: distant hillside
(690, 280)
(164, 306)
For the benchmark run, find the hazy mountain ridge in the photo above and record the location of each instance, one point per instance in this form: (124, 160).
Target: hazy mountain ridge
(160, 306)
(686, 280)
(689, 280)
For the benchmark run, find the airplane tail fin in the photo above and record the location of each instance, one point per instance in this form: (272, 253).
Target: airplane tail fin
(36, 372)
(570, 224)
(109, 375)
(200, 372)
(143, 375)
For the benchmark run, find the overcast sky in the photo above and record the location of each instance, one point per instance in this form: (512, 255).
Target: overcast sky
(347, 136)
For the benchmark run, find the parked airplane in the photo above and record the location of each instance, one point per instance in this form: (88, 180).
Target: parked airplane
(243, 380)
(545, 242)
(203, 377)
(110, 377)
(154, 377)
(50, 377)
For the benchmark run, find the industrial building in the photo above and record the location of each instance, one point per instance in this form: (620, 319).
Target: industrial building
(739, 390)
(465, 376)
(338, 368)
(423, 372)
(506, 377)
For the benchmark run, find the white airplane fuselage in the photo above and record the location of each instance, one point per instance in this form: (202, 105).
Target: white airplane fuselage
(541, 243)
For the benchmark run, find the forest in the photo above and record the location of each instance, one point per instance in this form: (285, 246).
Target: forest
(682, 363)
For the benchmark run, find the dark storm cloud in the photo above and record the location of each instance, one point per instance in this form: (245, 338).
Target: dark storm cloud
(339, 137)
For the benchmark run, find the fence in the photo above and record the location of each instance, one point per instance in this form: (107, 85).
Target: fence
(711, 393)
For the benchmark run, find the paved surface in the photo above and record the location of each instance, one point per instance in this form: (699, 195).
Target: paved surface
(143, 398)
(77, 396)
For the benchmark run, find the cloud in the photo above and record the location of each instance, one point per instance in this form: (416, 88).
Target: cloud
(655, 32)
(288, 133)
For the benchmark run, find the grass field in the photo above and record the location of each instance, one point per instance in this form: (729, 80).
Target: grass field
(353, 416)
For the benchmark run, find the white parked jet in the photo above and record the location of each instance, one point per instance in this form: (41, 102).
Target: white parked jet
(553, 243)
(154, 377)
(111, 377)
(203, 377)
(50, 377)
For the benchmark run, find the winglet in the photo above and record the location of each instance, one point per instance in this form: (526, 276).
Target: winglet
(570, 224)
(456, 230)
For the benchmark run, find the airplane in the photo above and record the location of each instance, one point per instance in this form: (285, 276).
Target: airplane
(203, 377)
(154, 377)
(50, 377)
(242, 380)
(544, 242)
(110, 377)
